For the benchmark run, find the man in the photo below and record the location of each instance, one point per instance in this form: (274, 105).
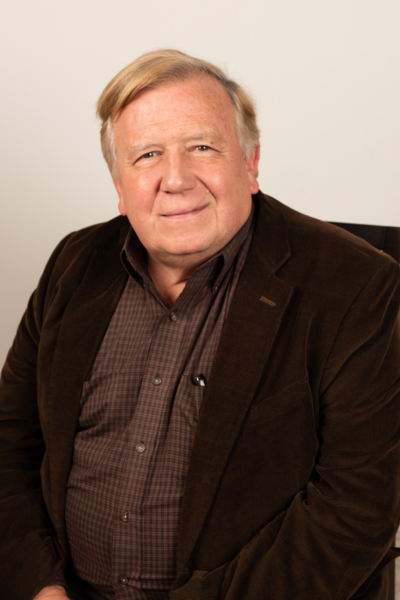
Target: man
(203, 398)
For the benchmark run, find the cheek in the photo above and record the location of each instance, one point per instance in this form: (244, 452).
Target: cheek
(138, 195)
(231, 178)
(218, 181)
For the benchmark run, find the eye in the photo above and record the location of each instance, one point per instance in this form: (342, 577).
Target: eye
(203, 148)
(148, 155)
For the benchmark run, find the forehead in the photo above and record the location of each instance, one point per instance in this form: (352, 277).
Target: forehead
(200, 100)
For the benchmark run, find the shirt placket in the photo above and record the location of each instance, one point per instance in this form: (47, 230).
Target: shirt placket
(146, 439)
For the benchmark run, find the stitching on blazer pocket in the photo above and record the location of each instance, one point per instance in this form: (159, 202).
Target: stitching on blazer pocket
(286, 401)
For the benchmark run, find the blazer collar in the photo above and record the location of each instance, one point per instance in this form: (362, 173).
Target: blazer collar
(270, 244)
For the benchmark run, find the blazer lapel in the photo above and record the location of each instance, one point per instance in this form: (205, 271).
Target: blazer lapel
(82, 329)
(254, 317)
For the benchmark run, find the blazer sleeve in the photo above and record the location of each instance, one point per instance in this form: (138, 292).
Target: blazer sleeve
(29, 553)
(335, 535)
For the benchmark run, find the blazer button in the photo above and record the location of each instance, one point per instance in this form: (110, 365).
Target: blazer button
(124, 580)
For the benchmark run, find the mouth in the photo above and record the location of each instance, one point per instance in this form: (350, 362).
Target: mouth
(184, 213)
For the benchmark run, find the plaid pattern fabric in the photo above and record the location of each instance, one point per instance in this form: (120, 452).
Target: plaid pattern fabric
(139, 411)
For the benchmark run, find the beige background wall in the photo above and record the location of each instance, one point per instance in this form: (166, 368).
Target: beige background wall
(325, 76)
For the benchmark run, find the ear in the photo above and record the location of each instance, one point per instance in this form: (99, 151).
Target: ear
(252, 165)
(118, 187)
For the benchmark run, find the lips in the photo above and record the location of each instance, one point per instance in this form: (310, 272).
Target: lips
(183, 213)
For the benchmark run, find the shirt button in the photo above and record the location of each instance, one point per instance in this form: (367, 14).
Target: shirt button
(124, 517)
(124, 580)
(215, 288)
(140, 447)
(173, 317)
(156, 380)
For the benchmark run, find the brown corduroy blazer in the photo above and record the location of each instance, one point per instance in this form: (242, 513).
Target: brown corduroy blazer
(293, 489)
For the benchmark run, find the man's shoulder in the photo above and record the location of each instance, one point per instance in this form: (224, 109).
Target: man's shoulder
(104, 237)
(322, 245)
(107, 237)
(72, 256)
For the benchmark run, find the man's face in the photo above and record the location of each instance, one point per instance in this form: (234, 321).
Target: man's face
(183, 182)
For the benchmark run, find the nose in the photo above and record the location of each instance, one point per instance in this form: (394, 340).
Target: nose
(177, 176)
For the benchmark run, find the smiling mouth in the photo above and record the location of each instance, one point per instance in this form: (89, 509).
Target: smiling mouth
(184, 213)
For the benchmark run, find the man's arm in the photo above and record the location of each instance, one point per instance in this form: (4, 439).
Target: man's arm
(29, 553)
(338, 529)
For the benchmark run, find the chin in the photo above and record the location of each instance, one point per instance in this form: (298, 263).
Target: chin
(186, 247)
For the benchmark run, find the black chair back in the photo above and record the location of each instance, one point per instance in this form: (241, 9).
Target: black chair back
(381, 237)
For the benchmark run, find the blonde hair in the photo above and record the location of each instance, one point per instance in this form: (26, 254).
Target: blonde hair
(157, 68)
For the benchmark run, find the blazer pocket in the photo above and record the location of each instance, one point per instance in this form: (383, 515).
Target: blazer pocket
(272, 460)
(279, 439)
(295, 399)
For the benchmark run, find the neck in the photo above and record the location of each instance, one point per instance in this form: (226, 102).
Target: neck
(170, 278)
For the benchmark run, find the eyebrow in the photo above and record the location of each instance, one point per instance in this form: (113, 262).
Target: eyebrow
(140, 148)
(192, 137)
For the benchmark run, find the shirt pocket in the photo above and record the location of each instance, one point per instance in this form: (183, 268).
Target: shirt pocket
(109, 400)
(188, 398)
(108, 405)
